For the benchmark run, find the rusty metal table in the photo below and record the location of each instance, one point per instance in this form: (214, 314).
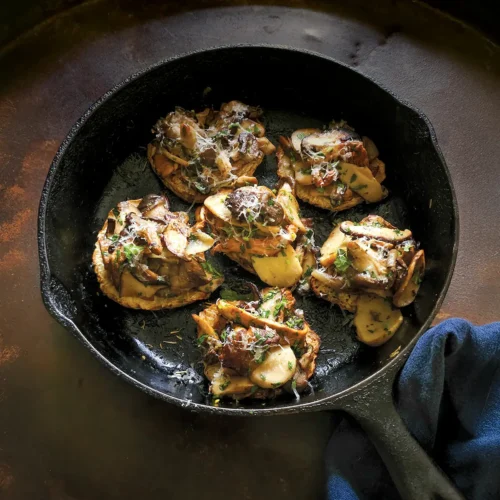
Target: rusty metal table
(69, 429)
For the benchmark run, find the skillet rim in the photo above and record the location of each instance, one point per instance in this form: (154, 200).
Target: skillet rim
(387, 371)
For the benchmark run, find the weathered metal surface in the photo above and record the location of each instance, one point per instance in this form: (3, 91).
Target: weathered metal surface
(69, 430)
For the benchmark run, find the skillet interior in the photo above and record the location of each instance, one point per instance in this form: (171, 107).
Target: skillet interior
(103, 162)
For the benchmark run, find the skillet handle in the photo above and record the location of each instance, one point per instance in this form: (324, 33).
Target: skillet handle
(415, 475)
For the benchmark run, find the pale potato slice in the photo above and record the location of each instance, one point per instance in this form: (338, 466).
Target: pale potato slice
(361, 180)
(375, 320)
(283, 269)
(277, 368)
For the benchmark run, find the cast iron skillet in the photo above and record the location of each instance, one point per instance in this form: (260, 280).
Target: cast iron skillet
(102, 161)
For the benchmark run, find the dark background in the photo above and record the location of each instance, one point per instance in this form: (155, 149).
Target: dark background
(69, 429)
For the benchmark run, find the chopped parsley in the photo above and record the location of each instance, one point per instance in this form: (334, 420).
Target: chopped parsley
(224, 385)
(270, 202)
(353, 178)
(208, 268)
(295, 323)
(202, 339)
(416, 278)
(115, 237)
(269, 295)
(116, 212)
(262, 377)
(279, 306)
(342, 262)
(359, 187)
(290, 365)
(297, 350)
(408, 245)
(193, 237)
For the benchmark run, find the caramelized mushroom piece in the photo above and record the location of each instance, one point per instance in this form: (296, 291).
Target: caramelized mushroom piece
(380, 233)
(408, 289)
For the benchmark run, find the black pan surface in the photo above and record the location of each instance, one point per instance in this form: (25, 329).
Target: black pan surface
(103, 161)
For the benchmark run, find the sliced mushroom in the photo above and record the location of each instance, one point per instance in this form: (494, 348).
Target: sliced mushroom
(371, 282)
(131, 287)
(329, 249)
(204, 328)
(188, 136)
(224, 384)
(408, 289)
(175, 240)
(362, 181)
(379, 233)
(376, 321)
(277, 368)
(365, 260)
(346, 300)
(246, 319)
(199, 242)
(255, 128)
(154, 207)
(299, 135)
(303, 173)
(266, 146)
(376, 220)
(174, 158)
(147, 230)
(333, 282)
(377, 168)
(245, 180)
(216, 205)
(282, 269)
(370, 147)
(290, 206)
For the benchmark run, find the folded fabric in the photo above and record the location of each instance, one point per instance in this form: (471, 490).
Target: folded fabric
(448, 394)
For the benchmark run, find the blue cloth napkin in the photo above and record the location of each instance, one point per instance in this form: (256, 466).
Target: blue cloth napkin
(448, 395)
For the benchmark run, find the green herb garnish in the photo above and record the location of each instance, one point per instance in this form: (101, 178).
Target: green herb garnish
(202, 339)
(342, 262)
